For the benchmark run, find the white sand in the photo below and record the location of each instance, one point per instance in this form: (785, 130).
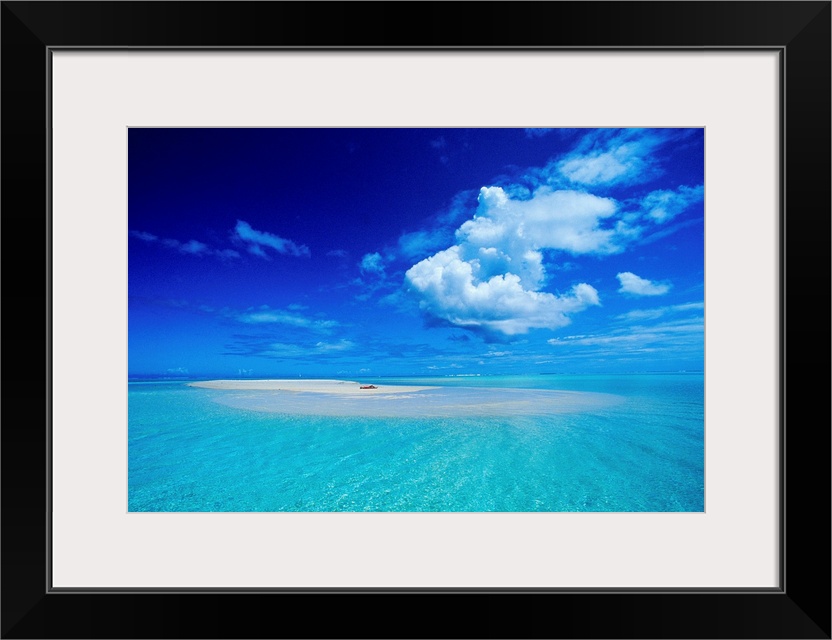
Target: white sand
(307, 386)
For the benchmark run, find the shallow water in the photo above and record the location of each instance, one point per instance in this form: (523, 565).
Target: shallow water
(509, 444)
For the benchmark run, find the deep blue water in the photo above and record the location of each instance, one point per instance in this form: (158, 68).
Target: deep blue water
(505, 444)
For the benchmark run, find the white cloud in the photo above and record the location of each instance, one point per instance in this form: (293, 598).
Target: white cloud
(492, 278)
(372, 263)
(663, 205)
(255, 241)
(498, 274)
(178, 370)
(611, 156)
(658, 312)
(299, 350)
(450, 290)
(567, 220)
(341, 345)
(277, 316)
(668, 336)
(597, 169)
(283, 350)
(632, 284)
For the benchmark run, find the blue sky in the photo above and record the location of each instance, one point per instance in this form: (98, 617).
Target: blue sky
(371, 252)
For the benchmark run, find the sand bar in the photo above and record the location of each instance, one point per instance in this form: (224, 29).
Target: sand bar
(343, 387)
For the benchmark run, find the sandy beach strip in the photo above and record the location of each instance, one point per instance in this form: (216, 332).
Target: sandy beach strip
(344, 387)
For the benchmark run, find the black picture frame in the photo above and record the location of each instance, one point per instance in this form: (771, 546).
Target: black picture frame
(799, 608)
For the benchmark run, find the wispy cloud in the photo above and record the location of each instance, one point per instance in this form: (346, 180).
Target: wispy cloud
(612, 156)
(262, 347)
(440, 228)
(194, 247)
(267, 316)
(537, 132)
(680, 337)
(143, 235)
(180, 371)
(257, 241)
(658, 312)
(664, 205)
(668, 230)
(191, 247)
(337, 253)
(417, 244)
(341, 345)
(634, 285)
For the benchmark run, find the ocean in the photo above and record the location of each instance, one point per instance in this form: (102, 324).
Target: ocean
(554, 443)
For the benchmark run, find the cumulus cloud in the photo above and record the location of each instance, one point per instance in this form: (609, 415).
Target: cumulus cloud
(493, 277)
(255, 241)
(634, 285)
(567, 220)
(497, 273)
(450, 290)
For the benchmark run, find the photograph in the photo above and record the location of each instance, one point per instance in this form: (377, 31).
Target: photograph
(416, 319)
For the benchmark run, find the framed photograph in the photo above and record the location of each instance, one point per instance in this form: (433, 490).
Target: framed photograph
(431, 364)
(518, 302)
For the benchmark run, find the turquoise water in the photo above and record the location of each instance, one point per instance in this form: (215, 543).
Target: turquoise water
(486, 444)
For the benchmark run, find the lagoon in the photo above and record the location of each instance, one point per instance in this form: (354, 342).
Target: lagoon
(556, 443)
